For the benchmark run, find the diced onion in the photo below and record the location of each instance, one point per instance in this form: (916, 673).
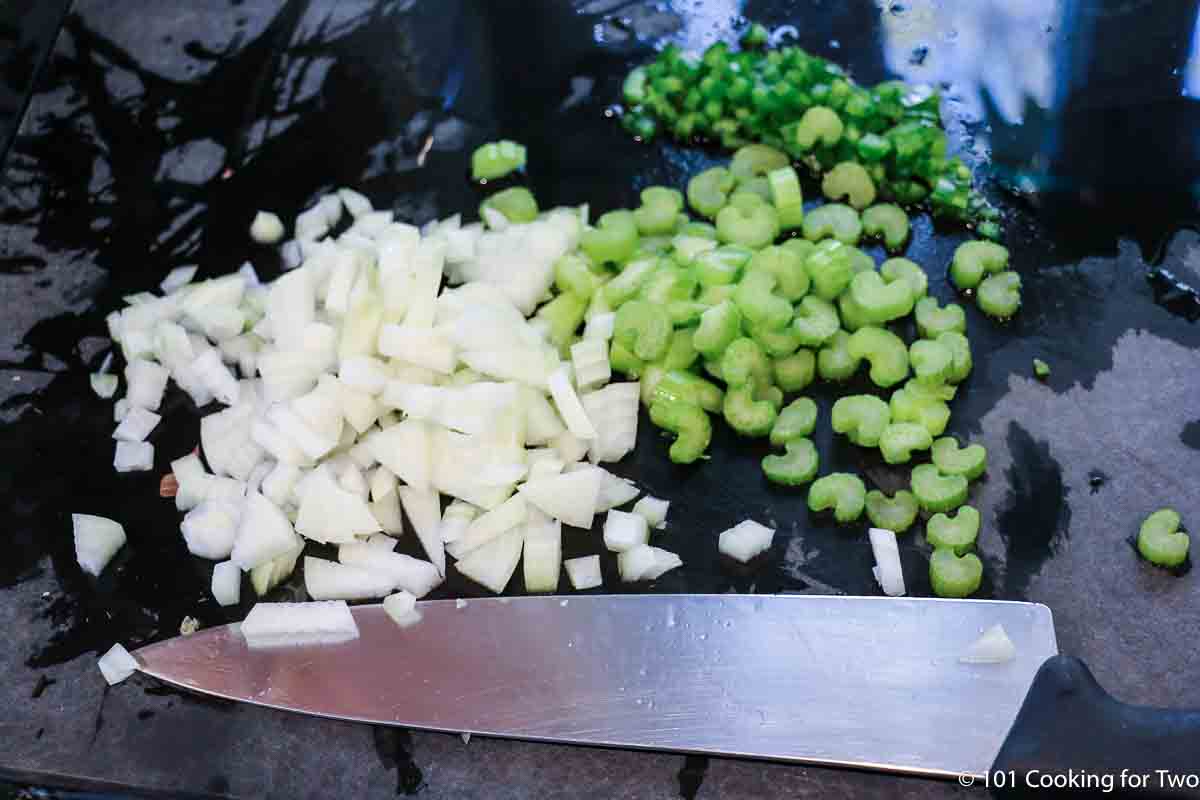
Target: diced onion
(401, 607)
(584, 572)
(103, 384)
(887, 570)
(97, 540)
(284, 624)
(227, 583)
(117, 664)
(624, 531)
(178, 278)
(745, 540)
(133, 457)
(993, 647)
(267, 228)
(653, 510)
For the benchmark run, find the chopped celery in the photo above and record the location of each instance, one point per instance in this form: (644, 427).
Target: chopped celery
(564, 314)
(881, 302)
(970, 461)
(834, 360)
(1041, 369)
(686, 387)
(759, 305)
(686, 249)
(932, 361)
(901, 269)
(862, 418)
(960, 351)
(681, 352)
(689, 423)
(793, 373)
(787, 197)
(497, 159)
(743, 361)
(900, 439)
(936, 491)
(956, 532)
(896, 514)
(573, 274)
(908, 404)
(629, 282)
(833, 220)
(887, 221)
(659, 211)
(849, 180)
(796, 467)
(722, 266)
(816, 321)
(708, 192)
(954, 576)
(973, 260)
(818, 125)
(885, 351)
(999, 295)
(788, 268)
(830, 269)
(851, 314)
(642, 328)
(1160, 541)
(756, 161)
(747, 220)
(798, 418)
(614, 239)
(745, 413)
(775, 343)
(841, 491)
(719, 326)
(516, 204)
(933, 321)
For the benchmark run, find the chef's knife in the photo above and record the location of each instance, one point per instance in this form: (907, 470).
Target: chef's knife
(862, 682)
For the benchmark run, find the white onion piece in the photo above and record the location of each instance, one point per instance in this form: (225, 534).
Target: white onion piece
(227, 583)
(493, 564)
(544, 463)
(137, 425)
(356, 203)
(993, 647)
(350, 478)
(542, 423)
(145, 383)
(614, 490)
(264, 533)
(584, 572)
(887, 570)
(210, 529)
(103, 384)
(569, 406)
(614, 411)
(745, 540)
(636, 562)
(404, 449)
(600, 326)
(654, 510)
(121, 409)
(133, 457)
(424, 510)
(279, 483)
(401, 607)
(330, 514)
(117, 664)
(387, 513)
(664, 561)
(381, 482)
(510, 514)
(216, 377)
(329, 580)
(364, 373)
(267, 228)
(283, 624)
(178, 278)
(624, 531)
(382, 541)
(589, 359)
(405, 572)
(267, 576)
(570, 497)
(542, 558)
(192, 481)
(455, 520)
(570, 448)
(97, 540)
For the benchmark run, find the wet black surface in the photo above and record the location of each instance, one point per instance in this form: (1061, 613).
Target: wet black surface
(154, 135)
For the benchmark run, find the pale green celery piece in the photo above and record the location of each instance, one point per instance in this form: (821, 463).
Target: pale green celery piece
(775, 343)
(889, 222)
(715, 295)
(907, 405)
(970, 461)
(685, 313)
(816, 321)
(932, 361)
(685, 249)
(756, 186)
(999, 295)
(860, 261)
(689, 388)
(801, 247)
(787, 197)
(841, 491)
(851, 315)
(1160, 541)
(973, 260)
(653, 246)
(901, 269)
(688, 422)
(700, 230)
(849, 180)
(759, 305)
(796, 467)
(793, 373)
(624, 361)
(832, 220)
(881, 302)
(625, 286)
(681, 352)
(896, 514)
(956, 532)
(721, 266)
(719, 326)
(834, 360)
(747, 220)
(792, 280)
(651, 376)
(756, 161)
(708, 192)
(564, 314)
(936, 491)
(516, 204)
(1041, 369)
(819, 125)
(798, 418)
(830, 269)
(744, 361)
(900, 439)
(659, 211)
(886, 352)
(643, 328)
(960, 350)
(574, 274)
(614, 239)
(713, 367)
(769, 392)
(745, 414)
(497, 159)
(861, 418)
(954, 576)
(933, 321)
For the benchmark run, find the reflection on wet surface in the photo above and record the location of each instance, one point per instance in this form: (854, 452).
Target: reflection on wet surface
(155, 135)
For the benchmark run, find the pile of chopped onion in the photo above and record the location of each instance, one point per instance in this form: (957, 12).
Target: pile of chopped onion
(392, 372)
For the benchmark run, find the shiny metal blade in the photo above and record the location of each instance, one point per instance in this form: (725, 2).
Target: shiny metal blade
(852, 681)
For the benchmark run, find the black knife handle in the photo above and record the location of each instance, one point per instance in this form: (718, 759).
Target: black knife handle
(1069, 726)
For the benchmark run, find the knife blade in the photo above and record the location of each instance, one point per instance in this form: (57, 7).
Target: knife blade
(862, 682)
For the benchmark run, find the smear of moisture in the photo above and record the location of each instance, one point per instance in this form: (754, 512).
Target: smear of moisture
(1037, 516)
